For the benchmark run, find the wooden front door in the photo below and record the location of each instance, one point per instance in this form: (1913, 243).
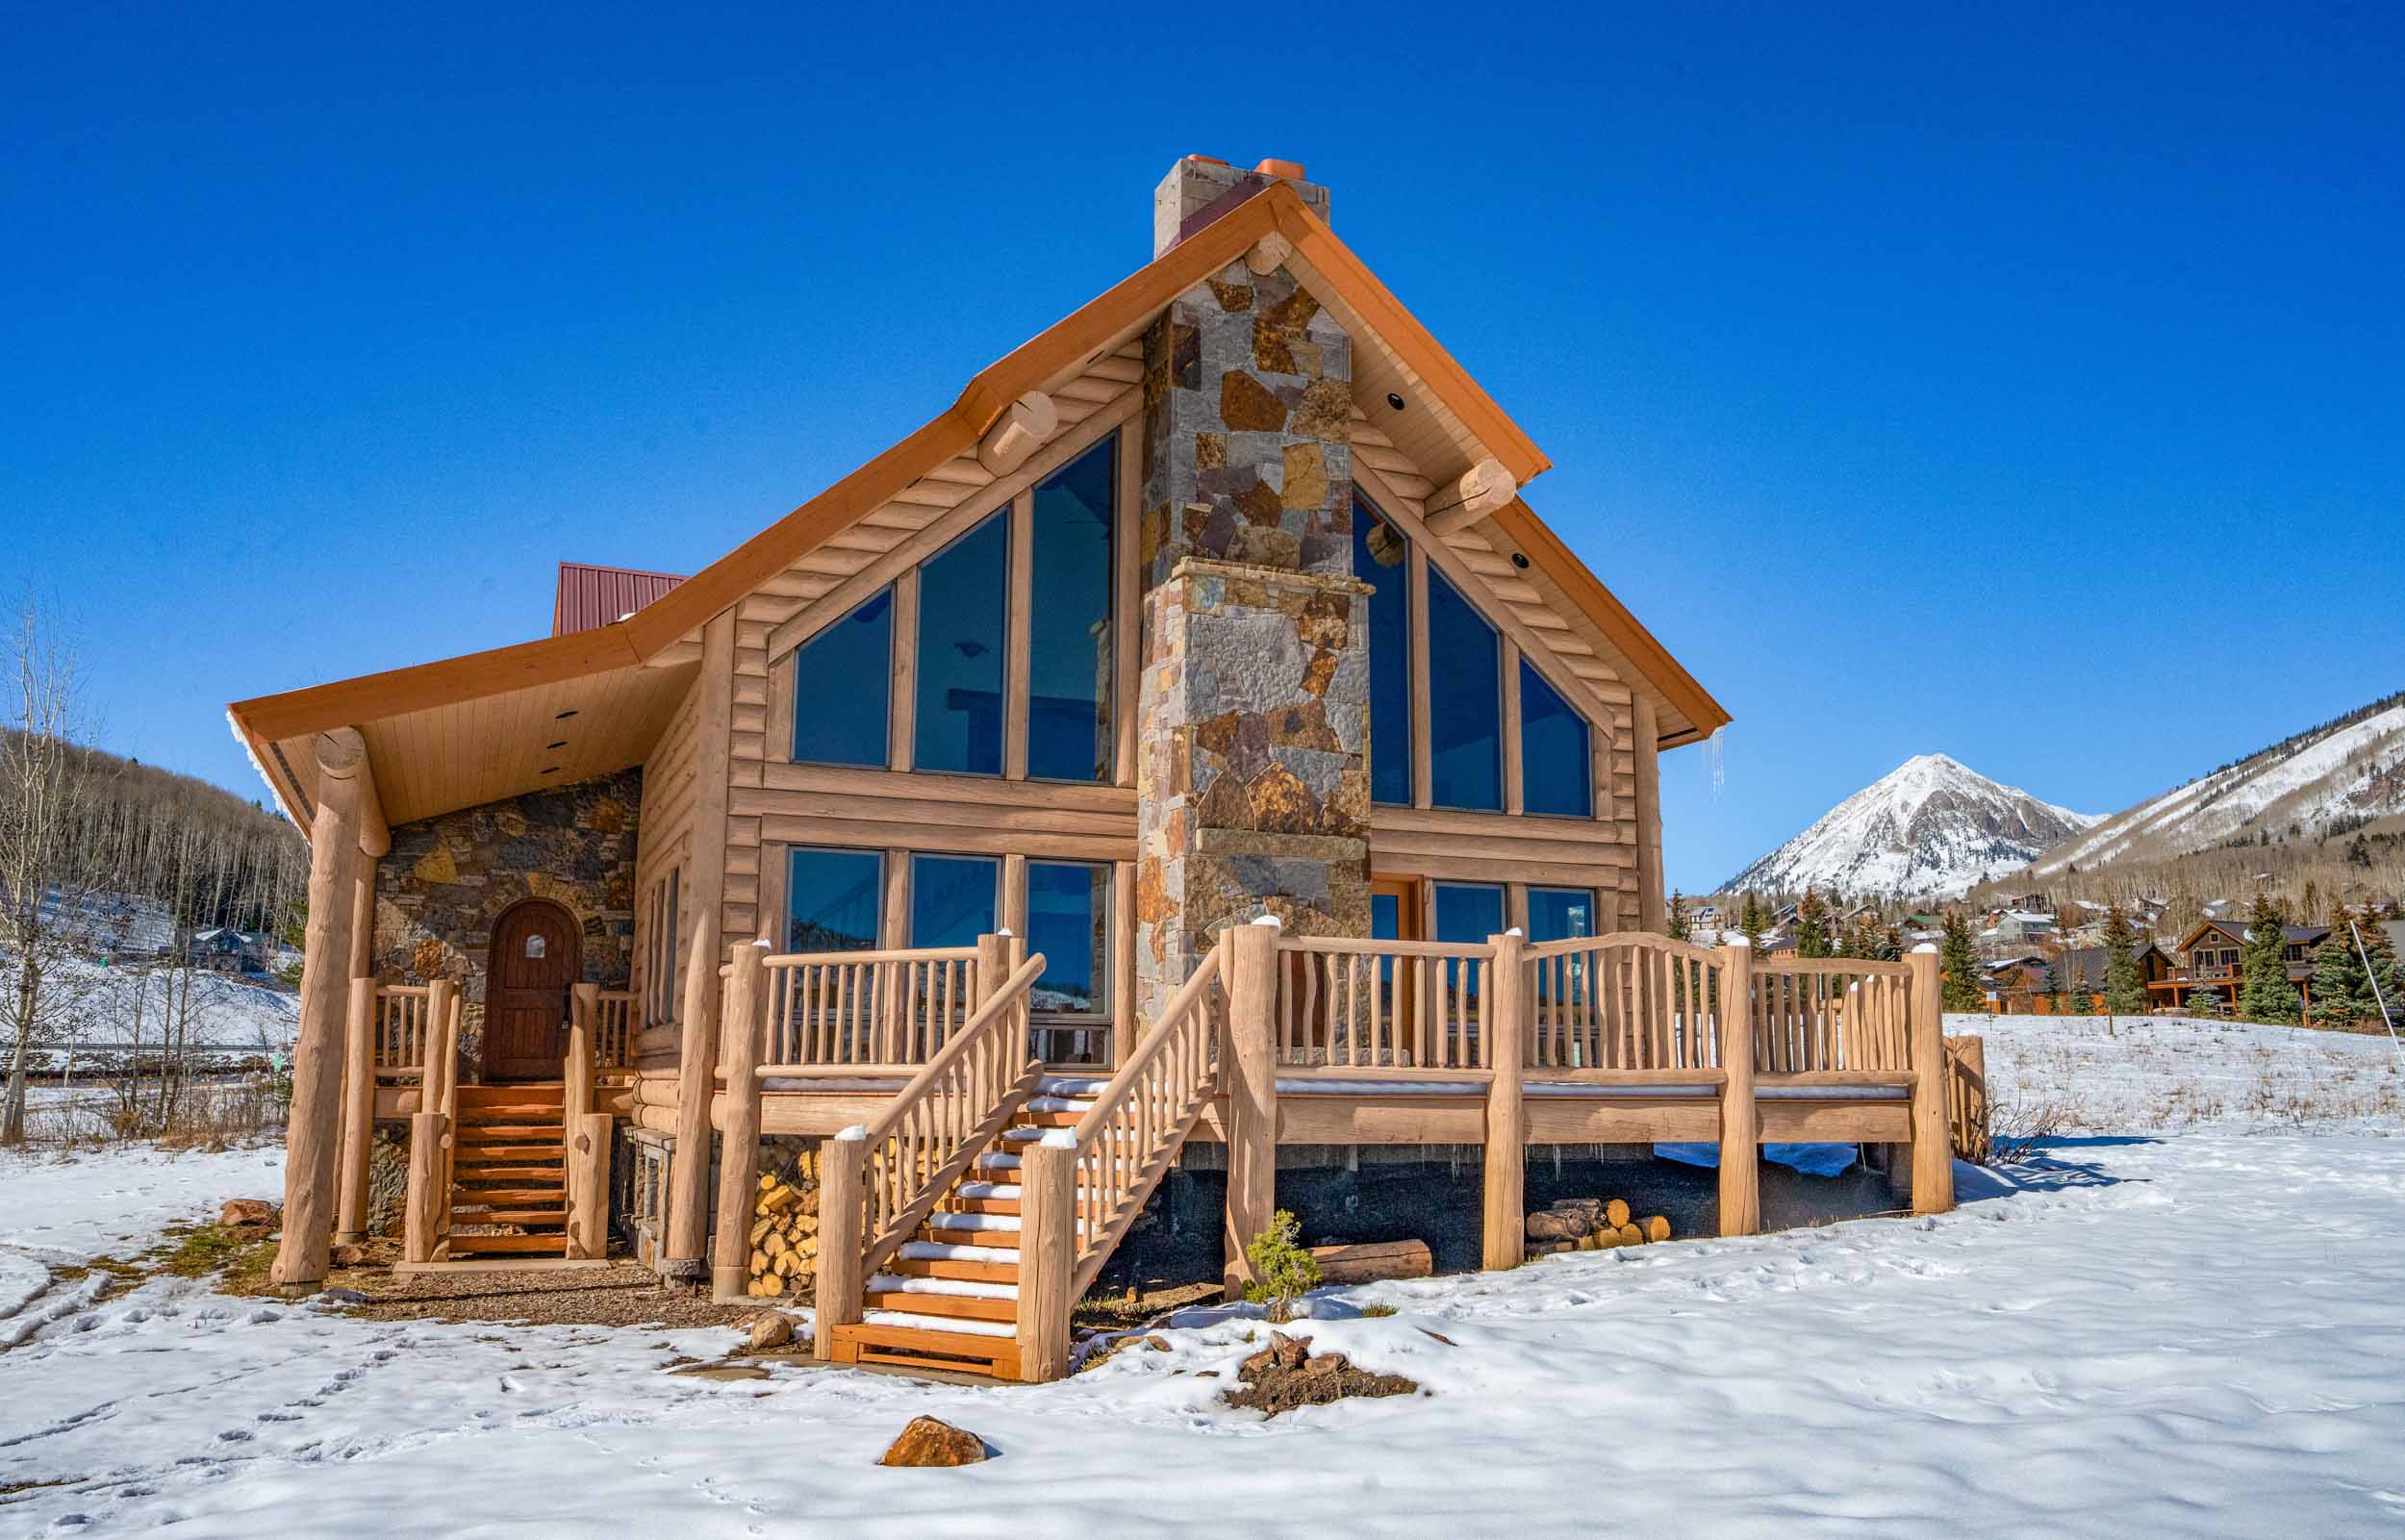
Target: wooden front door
(533, 961)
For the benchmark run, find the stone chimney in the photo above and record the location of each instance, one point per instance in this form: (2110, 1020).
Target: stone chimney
(1253, 740)
(1201, 188)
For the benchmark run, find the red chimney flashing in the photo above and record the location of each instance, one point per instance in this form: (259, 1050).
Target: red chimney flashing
(1289, 170)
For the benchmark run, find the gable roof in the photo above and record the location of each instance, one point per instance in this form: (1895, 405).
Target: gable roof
(1393, 352)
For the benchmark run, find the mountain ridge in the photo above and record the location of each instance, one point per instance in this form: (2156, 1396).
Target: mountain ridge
(1930, 828)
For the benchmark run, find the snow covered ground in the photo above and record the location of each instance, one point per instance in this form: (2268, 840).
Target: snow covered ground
(2198, 1332)
(2118, 1073)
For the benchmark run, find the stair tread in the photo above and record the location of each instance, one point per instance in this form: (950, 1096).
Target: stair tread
(497, 1171)
(508, 1216)
(507, 1195)
(948, 1306)
(962, 1289)
(946, 1325)
(546, 1245)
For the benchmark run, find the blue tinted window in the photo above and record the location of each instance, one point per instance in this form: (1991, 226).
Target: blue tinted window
(1069, 641)
(842, 679)
(1464, 702)
(1468, 911)
(832, 899)
(951, 899)
(1068, 915)
(961, 600)
(1560, 914)
(1381, 558)
(1555, 773)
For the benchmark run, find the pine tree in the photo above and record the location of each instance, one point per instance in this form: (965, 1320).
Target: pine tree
(1958, 963)
(1680, 929)
(2124, 993)
(2054, 988)
(2265, 994)
(2205, 1001)
(1812, 925)
(2339, 986)
(2384, 973)
(1750, 923)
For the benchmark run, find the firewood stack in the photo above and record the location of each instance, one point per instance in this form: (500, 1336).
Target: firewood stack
(785, 1232)
(1591, 1225)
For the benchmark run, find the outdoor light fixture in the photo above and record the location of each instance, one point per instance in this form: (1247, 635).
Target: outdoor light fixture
(1519, 558)
(1394, 400)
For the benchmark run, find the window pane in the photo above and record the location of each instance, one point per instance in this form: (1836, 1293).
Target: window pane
(1465, 701)
(1069, 641)
(1559, 913)
(833, 898)
(951, 899)
(1468, 911)
(1381, 558)
(842, 677)
(1385, 917)
(959, 724)
(1555, 773)
(1068, 920)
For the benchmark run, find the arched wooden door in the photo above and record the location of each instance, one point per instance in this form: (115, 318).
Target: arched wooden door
(533, 960)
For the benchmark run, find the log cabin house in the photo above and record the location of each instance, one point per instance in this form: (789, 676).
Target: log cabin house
(1188, 745)
(2216, 951)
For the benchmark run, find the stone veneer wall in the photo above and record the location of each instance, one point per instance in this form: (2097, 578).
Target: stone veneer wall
(447, 879)
(1251, 764)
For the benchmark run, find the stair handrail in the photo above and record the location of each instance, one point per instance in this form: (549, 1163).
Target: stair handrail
(1183, 1046)
(987, 1061)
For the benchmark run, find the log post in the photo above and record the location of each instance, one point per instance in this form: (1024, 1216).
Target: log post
(359, 1113)
(313, 1120)
(1973, 1052)
(1504, 1163)
(1047, 1254)
(1740, 1116)
(1933, 1146)
(1249, 1072)
(589, 1136)
(584, 1024)
(843, 1165)
(440, 1073)
(739, 1140)
(429, 1187)
(688, 1230)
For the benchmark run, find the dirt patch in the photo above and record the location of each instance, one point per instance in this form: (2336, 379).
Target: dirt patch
(1286, 1375)
(623, 1294)
(1133, 1307)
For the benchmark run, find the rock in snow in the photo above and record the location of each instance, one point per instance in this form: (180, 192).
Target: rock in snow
(1933, 828)
(933, 1441)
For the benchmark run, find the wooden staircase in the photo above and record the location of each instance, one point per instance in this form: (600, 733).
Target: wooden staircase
(949, 1297)
(508, 1172)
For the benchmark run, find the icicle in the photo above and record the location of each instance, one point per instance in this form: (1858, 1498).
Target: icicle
(1715, 764)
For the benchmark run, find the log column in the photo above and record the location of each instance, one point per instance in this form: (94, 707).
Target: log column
(314, 1120)
(1048, 1252)
(696, 1087)
(359, 1111)
(1248, 1070)
(837, 1302)
(1740, 1114)
(1933, 1146)
(738, 1140)
(1505, 1164)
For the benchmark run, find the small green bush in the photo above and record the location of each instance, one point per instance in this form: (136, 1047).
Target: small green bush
(1282, 1271)
(1377, 1312)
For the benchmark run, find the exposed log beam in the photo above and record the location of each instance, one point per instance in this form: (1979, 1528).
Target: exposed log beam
(1483, 489)
(1023, 427)
(1267, 254)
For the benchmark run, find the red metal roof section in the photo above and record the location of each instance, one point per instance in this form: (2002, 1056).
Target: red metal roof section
(592, 596)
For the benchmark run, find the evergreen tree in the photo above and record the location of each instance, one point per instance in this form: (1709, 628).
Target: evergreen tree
(1750, 923)
(2265, 994)
(1891, 945)
(1812, 925)
(2054, 988)
(2124, 992)
(1958, 964)
(1679, 928)
(2205, 1001)
(2384, 973)
(2340, 988)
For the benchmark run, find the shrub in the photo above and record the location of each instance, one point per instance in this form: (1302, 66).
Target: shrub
(1282, 1271)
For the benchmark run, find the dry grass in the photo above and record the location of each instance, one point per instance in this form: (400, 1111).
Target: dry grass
(2092, 1075)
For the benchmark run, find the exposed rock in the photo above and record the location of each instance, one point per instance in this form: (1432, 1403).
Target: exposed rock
(1284, 1376)
(347, 1255)
(770, 1330)
(248, 1212)
(930, 1441)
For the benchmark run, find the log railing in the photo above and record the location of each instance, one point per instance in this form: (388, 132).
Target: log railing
(866, 1010)
(1626, 1001)
(949, 1111)
(400, 1031)
(1966, 1098)
(1127, 1140)
(1821, 1015)
(1346, 1004)
(614, 1030)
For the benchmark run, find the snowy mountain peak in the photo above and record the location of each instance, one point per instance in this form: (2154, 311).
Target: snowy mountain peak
(1932, 827)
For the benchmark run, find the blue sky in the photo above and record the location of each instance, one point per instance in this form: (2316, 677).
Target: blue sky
(2019, 383)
